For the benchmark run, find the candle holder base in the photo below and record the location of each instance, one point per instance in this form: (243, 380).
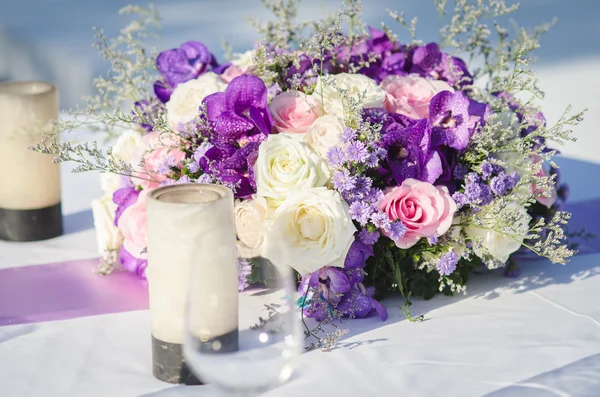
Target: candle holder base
(31, 225)
(168, 363)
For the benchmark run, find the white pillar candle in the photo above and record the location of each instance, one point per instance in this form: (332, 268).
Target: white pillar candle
(190, 226)
(30, 195)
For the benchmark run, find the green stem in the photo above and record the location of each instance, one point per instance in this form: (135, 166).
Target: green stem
(406, 307)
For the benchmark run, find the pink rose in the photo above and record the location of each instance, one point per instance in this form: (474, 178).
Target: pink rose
(410, 95)
(154, 149)
(293, 112)
(232, 72)
(132, 224)
(547, 201)
(426, 210)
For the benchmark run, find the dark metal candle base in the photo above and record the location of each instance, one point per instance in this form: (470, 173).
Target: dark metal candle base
(31, 225)
(168, 363)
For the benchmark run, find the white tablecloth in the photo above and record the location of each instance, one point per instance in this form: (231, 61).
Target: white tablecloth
(536, 335)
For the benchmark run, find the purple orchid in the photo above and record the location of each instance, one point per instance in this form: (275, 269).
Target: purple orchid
(330, 284)
(359, 302)
(124, 198)
(430, 61)
(133, 264)
(410, 154)
(182, 64)
(240, 120)
(454, 118)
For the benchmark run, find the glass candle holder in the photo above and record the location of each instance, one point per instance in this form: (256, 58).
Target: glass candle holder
(30, 203)
(190, 225)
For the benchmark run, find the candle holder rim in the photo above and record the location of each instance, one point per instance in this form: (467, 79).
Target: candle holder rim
(8, 88)
(154, 194)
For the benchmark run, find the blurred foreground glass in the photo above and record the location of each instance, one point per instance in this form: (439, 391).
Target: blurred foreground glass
(268, 338)
(30, 207)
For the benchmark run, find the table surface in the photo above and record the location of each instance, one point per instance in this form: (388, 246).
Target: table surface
(536, 335)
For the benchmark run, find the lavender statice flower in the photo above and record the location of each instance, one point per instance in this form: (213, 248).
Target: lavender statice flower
(447, 263)
(336, 157)
(381, 220)
(368, 237)
(343, 181)
(471, 177)
(487, 169)
(503, 182)
(478, 193)
(460, 199)
(460, 171)
(397, 230)
(360, 212)
(244, 270)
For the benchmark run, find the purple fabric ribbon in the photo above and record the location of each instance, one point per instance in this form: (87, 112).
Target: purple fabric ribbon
(66, 290)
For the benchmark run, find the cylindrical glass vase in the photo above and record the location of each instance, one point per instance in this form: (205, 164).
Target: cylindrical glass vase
(30, 208)
(190, 225)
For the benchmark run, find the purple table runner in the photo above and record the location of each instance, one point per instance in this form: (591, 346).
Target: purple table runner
(66, 290)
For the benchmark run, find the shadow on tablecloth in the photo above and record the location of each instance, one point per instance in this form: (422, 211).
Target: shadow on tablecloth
(578, 379)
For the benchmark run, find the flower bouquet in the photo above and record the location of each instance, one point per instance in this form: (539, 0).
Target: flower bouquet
(378, 165)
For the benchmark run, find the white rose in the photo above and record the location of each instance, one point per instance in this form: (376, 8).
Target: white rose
(355, 85)
(285, 164)
(126, 145)
(310, 229)
(108, 236)
(109, 183)
(324, 134)
(124, 149)
(244, 60)
(187, 98)
(499, 245)
(250, 218)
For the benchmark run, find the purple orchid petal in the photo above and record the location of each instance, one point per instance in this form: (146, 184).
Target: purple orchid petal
(221, 68)
(245, 91)
(355, 303)
(163, 93)
(229, 126)
(262, 119)
(380, 309)
(132, 264)
(357, 255)
(338, 281)
(432, 168)
(215, 106)
(124, 198)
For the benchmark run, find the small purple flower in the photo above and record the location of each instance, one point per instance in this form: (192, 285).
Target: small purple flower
(368, 237)
(460, 199)
(503, 182)
(244, 270)
(343, 181)
(206, 179)
(472, 177)
(357, 152)
(479, 193)
(460, 171)
(487, 169)
(397, 230)
(184, 179)
(348, 135)
(381, 220)
(194, 166)
(447, 263)
(336, 157)
(165, 166)
(362, 186)
(432, 240)
(360, 212)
